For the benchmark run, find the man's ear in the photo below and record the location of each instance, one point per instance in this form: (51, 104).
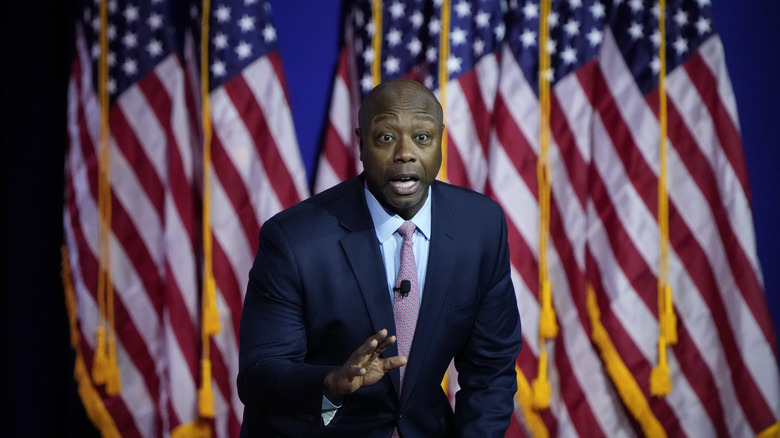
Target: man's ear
(359, 140)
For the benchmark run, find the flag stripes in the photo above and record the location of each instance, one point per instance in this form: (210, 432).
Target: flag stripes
(603, 253)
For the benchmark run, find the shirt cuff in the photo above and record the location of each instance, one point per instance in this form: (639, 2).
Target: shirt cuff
(328, 410)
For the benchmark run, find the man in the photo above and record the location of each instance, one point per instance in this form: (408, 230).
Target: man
(319, 355)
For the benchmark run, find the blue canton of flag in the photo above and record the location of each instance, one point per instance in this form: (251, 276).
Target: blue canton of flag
(637, 35)
(576, 32)
(240, 32)
(139, 37)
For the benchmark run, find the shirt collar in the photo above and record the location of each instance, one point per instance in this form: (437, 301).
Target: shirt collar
(386, 223)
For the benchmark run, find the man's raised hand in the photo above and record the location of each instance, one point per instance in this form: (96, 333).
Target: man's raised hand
(364, 367)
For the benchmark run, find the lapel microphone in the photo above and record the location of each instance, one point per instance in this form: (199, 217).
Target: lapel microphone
(403, 288)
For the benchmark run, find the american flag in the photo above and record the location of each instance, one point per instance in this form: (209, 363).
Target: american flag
(603, 252)
(602, 256)
(156, 167)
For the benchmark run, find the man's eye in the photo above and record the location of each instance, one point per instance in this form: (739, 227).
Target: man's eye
(386, 137)
(422, 138)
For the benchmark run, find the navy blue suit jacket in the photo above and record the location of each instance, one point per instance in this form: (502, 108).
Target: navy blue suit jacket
(318, 290)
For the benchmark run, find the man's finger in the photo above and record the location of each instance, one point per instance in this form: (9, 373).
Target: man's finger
(392, 363)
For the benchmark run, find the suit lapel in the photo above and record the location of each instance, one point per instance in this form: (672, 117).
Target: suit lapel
(364, 257)
(440, 270)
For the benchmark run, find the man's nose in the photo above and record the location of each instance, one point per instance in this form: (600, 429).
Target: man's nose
(405, 150)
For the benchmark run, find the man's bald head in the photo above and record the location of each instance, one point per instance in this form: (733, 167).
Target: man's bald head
(398, 92)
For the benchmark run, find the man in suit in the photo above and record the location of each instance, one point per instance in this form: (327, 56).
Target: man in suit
(319, 351)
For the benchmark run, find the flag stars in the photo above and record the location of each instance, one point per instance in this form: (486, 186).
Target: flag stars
(681, 18)
(397, 10)
(220, 41)
(528, 38)
(417, 19)
(500, 30)
(458, 36)
(655, 65)
(463, 9)
(636, 6)
(131, 13)
(246, 23)
(393, 37)
(154, 21)
(551, 47)
(244, 50)
(433, 26)
(597, 10)
(680, 46)
(703, 25)
(548, 74)
(594, 37)
(368, 56)
(572, 27)
(392, 65)
(569, 56)
(482, 19)
(154, 48)
(430, 54)
(269, 33)
(635, 30)
(655, 38)
(414, 46)
(130, 67)
(111, 86)
(656, 11)
(552, 19)
(478, 46)
(367, 83)
(218, 69)
(222, 13)
(130, 40)
(454, 64)
(530, 11)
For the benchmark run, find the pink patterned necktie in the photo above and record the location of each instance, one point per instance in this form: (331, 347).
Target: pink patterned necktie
(406, 308)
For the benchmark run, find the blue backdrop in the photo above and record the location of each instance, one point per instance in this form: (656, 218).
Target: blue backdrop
(309, 40)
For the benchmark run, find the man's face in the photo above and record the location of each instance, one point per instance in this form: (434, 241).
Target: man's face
(400, 148)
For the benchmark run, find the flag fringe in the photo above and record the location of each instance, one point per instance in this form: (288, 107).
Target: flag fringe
(627, 386)
(195, 429)
(524, 398)
(90, 398)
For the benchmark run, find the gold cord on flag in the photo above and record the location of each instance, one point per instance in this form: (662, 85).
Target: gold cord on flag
(376, 41)
(660, 379)
(548, 328)
(210, 315)
(90, 397)
(627, 387)
(105, 367)
(524, 398)
(444, 78)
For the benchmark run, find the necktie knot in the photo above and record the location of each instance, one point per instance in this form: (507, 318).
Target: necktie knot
(407, 230)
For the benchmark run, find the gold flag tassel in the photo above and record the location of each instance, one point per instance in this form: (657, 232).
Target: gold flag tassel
(548, 328)
(105, 367)
(660, 376)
